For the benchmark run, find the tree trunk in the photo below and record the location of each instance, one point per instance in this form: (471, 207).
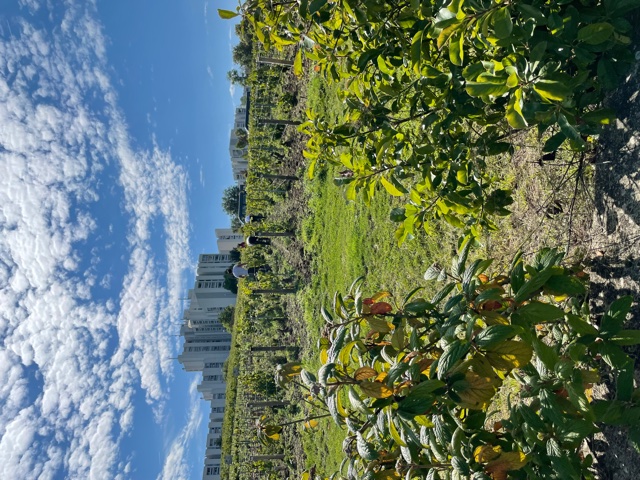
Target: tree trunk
(257, 458)
(274, 291)
(276, 177)
(273, 403)
(269, 349)
(275, 61)
(278, 121)
(274, 234)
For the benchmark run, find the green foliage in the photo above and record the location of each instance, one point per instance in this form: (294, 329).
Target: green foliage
(433, 88)
(413, 379)
(259, 383)
(230, 200)
(230, 283)
(226, 317)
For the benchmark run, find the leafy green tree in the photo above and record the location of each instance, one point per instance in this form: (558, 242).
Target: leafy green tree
(236, 77)
(226, 317)
(243, 137)
(236, 224)
(230, 200)
(230, 283)
(243, 54)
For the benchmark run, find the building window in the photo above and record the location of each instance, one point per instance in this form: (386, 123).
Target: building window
(210, 283)
(216, 429)
(221, 396)
(213, 365)
(217, 348)
(213, 470)
(211, 378)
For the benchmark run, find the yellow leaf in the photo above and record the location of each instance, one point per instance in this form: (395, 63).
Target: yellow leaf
(364, 373)
(380, 295)
(388, 474)
(380, 377)
(486, 453)
(375, 389)
(311, 424)
(297, 63)
(378, 324)
(507, 461)
(390, 187)
(509, 355)
(476, 391)
(394, 431)
(324, 356)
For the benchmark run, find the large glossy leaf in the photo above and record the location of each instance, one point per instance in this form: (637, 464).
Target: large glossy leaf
(454, 353)
(551, 90)
(364, 373)
(227, 14)
(538, 312)
(515, 116)
(375, 389)
(596, 33)
(475, 391)
(390, 187)
(485, 89)
(571, 132)
(297, 70)
(494, 335)
(509, 355)
(502, 23)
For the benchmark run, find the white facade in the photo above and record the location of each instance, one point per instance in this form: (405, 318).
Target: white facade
(228, 239)
(206, 346)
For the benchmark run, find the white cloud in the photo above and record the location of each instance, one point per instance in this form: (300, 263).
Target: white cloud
(67, 396)
(176, 466)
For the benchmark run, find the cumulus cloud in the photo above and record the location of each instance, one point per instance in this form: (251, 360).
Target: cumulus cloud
(71, 364)
(175, 465)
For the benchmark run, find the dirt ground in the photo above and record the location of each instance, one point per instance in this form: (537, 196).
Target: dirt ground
(615, 264)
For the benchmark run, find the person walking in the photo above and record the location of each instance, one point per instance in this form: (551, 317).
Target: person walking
(252, 241)
(241, 271)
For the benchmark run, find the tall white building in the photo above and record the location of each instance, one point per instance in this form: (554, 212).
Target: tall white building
(228, 239)
(207, 344)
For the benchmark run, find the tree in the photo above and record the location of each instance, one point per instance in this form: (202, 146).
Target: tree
(234, 254)
(230, 200)
(243, 137)
(243, 54)
(236, 224)
(230, 283)
(226, 317)
(235, 77)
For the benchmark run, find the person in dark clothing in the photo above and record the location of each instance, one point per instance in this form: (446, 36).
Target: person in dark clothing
(253, 218)
(253, 241)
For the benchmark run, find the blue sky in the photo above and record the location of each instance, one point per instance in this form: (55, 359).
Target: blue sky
(114, 127)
